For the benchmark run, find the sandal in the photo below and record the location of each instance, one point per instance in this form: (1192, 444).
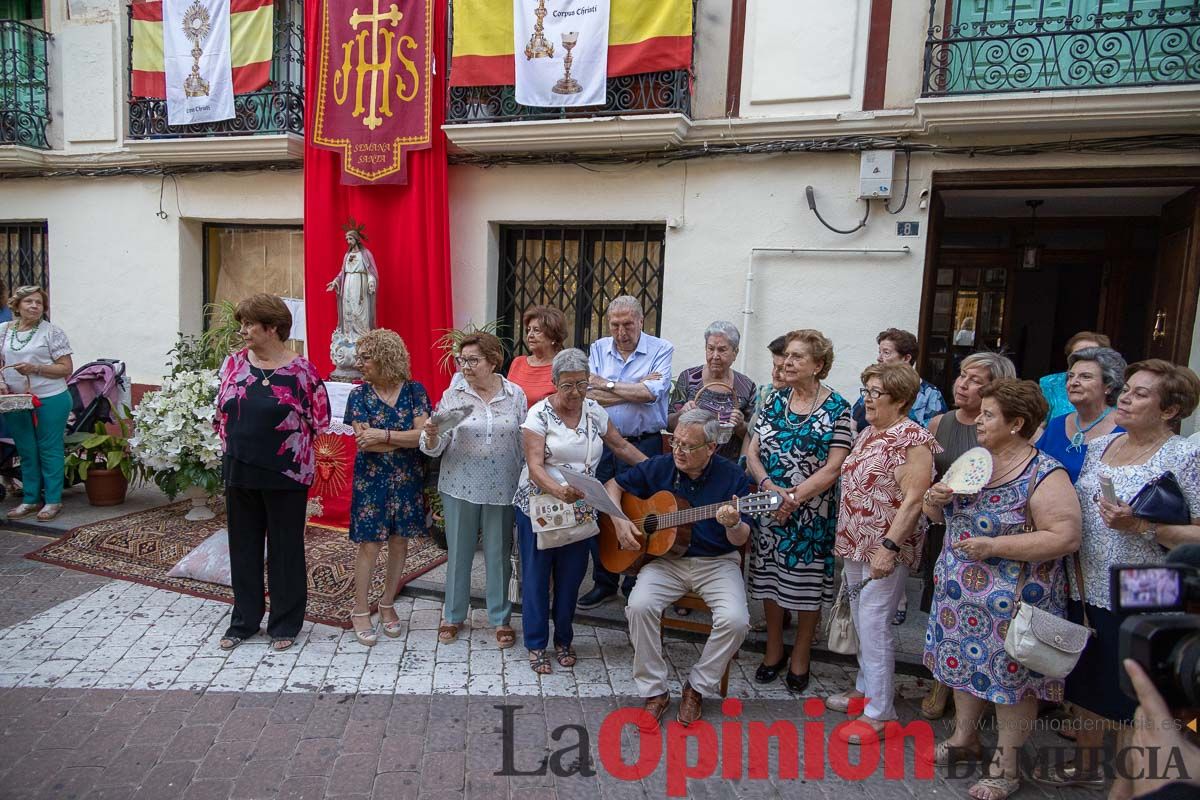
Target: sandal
(447, 633)
(539, 662)
(281, 643)
(49, 512)
(841, 702)
(1066, 774)
(945, 754)
(365, 636)
(565, 654)
(229, 642)
(506, 637)
(392, 628)
(21, 511)
(997, 788)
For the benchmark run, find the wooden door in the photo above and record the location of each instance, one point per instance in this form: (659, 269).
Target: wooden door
(1176, 281)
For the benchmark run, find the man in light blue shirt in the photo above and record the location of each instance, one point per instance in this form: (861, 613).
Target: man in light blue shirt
(630, 377)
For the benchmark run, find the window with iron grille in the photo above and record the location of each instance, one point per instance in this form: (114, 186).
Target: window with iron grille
(23, 255)
(579, 270)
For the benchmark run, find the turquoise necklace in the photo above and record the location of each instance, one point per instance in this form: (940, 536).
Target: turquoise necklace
(16, 342)
(1077, 439)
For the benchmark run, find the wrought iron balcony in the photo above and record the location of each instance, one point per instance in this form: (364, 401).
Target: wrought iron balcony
(645, 93)
(276, 108)
(1030, 45)
(24, 111)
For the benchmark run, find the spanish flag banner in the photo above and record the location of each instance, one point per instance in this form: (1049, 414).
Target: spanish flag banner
(251, 36)
(643, 36)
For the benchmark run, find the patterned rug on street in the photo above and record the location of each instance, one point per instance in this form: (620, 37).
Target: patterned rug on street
(143, 547)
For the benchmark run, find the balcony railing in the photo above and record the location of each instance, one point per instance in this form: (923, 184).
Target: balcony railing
(24, 110)
(276, 108)
(645, 93)
(1029, 45)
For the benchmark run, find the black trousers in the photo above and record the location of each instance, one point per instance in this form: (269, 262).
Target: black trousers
(276, 516)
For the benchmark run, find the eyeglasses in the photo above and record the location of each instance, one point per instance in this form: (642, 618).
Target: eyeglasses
(471, 361)
(874, 394)
(680, 447)
(578, 386)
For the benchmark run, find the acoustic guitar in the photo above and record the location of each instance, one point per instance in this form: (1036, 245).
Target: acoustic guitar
(664, 523)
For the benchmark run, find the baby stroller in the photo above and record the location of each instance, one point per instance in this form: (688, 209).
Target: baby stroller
(98, 391)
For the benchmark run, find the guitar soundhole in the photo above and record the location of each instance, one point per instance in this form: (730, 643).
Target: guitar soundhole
(651, 524)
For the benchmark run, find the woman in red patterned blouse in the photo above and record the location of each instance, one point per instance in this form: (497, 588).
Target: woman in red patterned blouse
(878, 537)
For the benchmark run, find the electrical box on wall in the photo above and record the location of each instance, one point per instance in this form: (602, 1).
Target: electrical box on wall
(875, 173)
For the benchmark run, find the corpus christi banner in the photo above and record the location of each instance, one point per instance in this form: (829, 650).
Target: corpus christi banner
(373, 90)
(561, 54)
(197, 62)
(248, 40)
(643, 36)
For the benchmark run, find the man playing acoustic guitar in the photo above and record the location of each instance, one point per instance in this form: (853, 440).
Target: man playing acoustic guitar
(710, 567)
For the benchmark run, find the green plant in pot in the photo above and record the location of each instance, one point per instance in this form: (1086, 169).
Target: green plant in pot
(102, 460)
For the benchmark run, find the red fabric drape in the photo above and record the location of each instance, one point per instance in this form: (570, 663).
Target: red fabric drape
(407, 228)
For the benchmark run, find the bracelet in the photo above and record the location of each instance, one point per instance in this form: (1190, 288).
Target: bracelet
(388, 434)
(763, 483)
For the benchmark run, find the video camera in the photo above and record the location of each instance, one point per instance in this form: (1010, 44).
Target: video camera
(1166, 645)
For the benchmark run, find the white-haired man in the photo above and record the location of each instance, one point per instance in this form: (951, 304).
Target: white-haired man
(631, 378)
(711, 566)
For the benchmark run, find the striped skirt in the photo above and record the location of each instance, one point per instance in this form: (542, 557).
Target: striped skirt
(793, 566)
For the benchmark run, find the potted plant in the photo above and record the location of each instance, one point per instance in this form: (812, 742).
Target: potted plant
(103, 461)
(175, 441)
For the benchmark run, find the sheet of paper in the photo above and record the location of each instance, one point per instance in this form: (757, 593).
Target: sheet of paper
(593, 492)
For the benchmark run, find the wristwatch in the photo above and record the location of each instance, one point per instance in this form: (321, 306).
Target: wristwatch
(890, 545)
(1150, 534)
(610, 385)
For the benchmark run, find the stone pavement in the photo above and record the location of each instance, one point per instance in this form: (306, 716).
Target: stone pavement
(110, 689)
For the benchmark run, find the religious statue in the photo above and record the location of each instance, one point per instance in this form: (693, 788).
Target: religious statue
(356, 287)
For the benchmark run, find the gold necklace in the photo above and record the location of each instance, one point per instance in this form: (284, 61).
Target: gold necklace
(816, 400)
(1019, 461)
(1136, 460)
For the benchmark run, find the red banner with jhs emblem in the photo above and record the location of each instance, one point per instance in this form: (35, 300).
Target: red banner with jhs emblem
(373, 93)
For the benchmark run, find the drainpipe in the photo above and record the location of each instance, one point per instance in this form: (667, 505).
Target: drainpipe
(748, 298)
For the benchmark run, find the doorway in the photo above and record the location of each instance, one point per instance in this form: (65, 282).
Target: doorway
(1021, 265)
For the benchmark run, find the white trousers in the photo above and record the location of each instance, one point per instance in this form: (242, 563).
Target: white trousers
(873, 611)
(719, 582)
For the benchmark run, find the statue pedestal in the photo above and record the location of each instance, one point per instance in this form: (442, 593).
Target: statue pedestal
(342, 349)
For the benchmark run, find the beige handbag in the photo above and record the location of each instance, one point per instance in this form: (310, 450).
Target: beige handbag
(843, 638)
(1041, 641)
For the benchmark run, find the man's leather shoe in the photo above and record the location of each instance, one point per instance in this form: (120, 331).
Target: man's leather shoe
(691, 706)
(656, 707)
(598, 596)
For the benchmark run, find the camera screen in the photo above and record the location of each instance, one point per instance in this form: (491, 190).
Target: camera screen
(1149, 587)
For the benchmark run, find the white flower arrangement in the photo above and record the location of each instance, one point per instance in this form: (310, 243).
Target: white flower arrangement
(174, 439)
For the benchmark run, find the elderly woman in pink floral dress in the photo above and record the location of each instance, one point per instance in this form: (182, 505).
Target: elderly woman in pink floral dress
(879, 536)
(271, 405)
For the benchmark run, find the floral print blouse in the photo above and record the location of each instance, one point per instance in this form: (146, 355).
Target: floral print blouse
(269, 419)
(870, 494)
(1102, 546)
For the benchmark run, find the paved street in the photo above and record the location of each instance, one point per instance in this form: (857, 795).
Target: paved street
(110, 689)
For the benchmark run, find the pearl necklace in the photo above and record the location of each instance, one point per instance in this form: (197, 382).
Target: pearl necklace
(15, 342)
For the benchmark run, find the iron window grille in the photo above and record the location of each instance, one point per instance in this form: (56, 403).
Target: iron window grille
(578, 270)
(23, 255)
(24, 86)
(991, 46)
(663, 92)
(276, 108)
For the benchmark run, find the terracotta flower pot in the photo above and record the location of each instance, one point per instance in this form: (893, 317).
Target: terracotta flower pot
(106, 487)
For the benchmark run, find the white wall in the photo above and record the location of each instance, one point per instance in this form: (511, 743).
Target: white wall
(723, 207)
(804, 57)
(123, 281)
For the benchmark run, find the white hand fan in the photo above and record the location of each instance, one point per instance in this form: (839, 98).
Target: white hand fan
(445, 420)
(969, 472)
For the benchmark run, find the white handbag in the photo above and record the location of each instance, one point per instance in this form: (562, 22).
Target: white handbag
(1041, 641)
(555, 523)
(843, 638)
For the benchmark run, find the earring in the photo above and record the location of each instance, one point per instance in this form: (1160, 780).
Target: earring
(1013, 431)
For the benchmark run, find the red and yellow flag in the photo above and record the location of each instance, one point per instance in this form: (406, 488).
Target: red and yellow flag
(251, 33)
(643, 36)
